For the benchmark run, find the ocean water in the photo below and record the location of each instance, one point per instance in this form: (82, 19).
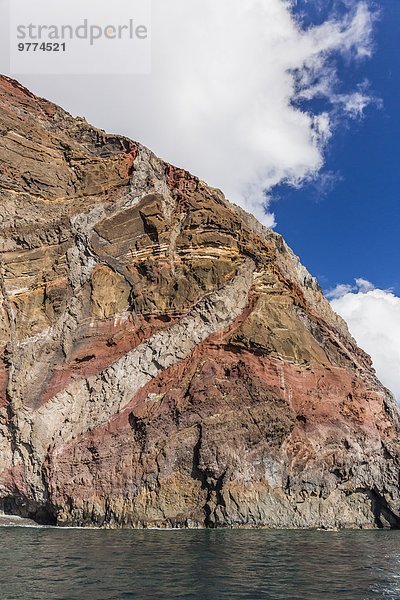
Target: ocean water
(54, 564)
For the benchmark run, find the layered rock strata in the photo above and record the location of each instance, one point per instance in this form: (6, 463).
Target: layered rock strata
(164, 359)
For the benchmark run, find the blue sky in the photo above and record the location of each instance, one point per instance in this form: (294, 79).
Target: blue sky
(352, 230)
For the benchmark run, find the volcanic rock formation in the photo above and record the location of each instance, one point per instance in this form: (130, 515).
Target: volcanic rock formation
(164, 359)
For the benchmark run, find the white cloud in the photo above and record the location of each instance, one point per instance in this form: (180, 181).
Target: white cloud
(339, 291)
(354, 104)
(364, 285)
(223, 97)
(373, 316)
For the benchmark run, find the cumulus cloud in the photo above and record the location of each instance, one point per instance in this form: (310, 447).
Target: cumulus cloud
(234, 92)
(373, 316)
(226, 95)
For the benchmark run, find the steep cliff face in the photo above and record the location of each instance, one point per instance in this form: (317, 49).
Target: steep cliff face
(164, 359)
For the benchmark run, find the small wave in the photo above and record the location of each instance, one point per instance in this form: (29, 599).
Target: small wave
(14, 521)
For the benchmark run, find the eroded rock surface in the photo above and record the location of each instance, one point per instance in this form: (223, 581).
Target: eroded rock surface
(164, 359)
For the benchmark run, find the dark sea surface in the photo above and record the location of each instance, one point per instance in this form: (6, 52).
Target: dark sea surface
(68, 564)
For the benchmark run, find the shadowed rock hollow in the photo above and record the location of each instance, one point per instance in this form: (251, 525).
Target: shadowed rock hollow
(164, 359)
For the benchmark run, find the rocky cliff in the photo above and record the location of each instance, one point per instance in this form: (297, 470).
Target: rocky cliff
(164, 359)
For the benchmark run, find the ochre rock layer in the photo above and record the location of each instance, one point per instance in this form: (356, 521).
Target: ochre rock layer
(164, 359)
